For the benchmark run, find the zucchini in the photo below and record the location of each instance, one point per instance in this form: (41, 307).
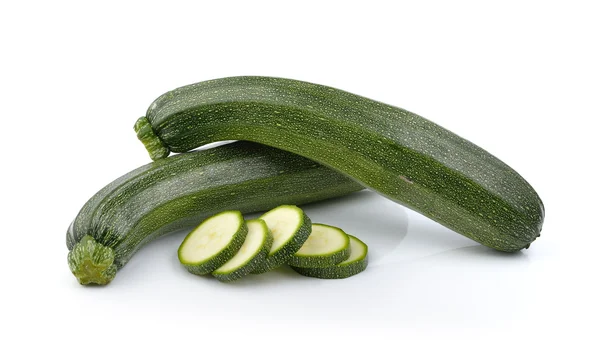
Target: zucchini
(178, 192)
(394, 152)
(214, 242)
(326, 246)
(253, 252)
(356, 263)
(290, 228)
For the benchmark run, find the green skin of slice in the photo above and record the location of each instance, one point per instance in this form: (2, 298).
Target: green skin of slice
(294, 243)
(339, 271)
(252, 262)
(212, 263)
(323, 260)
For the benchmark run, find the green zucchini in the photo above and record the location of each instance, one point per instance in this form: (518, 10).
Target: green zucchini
(178, 192)
(394, 152)
(290, 227)
(326, 246)
(213, 243)
(253, 252)
(356, 263)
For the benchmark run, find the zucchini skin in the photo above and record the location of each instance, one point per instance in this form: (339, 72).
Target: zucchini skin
(394, 152)
(180, 191)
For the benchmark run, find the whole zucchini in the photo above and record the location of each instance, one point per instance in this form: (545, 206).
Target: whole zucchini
(401, 155)
(178, 192)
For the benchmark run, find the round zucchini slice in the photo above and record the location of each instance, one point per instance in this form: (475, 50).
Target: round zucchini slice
(326, 246)
(356, 263)
(212, 243)
(290, 228)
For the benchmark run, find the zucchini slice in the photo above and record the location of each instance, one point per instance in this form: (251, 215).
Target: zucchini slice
(326, 246)
(290, 228)
(215, 241)
(356, 263)
(252, 253)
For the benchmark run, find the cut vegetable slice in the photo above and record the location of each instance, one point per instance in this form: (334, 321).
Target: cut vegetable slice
(356, 263)
(215, 241)
(255, 249)
(326, 246)
(290, 228)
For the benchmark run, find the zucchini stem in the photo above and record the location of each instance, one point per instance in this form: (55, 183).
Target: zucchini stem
(92, 262)
(155, 146)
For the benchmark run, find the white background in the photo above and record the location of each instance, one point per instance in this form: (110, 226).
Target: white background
(519, 78)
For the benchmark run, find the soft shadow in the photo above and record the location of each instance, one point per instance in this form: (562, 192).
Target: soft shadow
(278, 276)
(479, 252)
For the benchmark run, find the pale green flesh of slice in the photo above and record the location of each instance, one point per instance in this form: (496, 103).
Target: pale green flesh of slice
(357, 251)
(253, 243)
(211, 237)
(323, 240)
(283, 223)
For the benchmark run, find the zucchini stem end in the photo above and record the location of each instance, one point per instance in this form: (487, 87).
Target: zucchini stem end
(154, 145)
(92, 262)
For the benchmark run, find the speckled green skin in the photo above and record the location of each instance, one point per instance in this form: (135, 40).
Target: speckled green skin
(321, 261)
(401, 155)
(283, 254)
(339, 271)
(252, 263)
(180, 191)
(211, 264)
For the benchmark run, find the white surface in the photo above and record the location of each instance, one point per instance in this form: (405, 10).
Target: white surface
(519, 78)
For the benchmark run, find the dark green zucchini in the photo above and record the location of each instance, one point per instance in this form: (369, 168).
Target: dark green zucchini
(180, 191)
(401, 155)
